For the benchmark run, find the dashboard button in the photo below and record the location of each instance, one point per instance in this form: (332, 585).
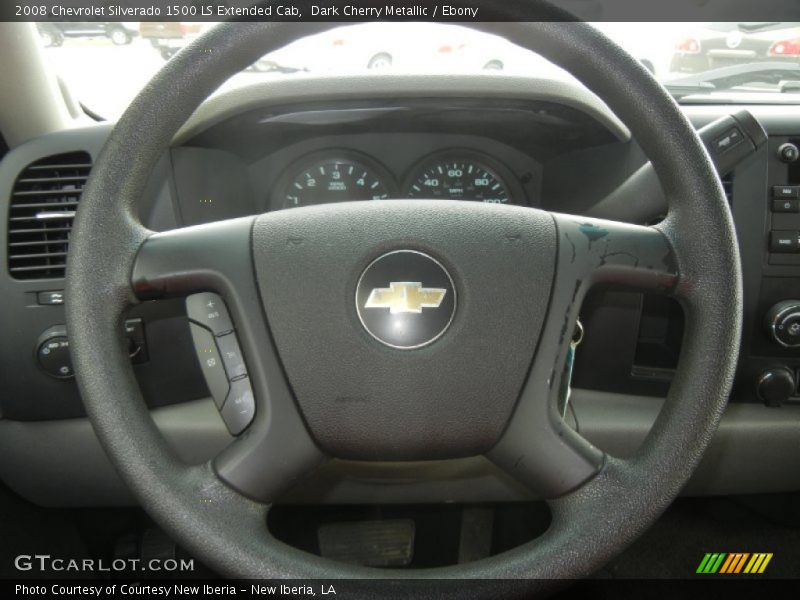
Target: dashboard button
(52, 298)
(209, 310)
(784, 241)
(785, 205)
(231, 356)
(210, 363)
(240, 407)
(785, 191)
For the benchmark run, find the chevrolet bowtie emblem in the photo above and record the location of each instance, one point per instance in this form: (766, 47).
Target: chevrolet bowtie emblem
(406, 324)
(405, 297)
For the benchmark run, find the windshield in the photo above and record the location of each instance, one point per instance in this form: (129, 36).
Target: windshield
(104, 65)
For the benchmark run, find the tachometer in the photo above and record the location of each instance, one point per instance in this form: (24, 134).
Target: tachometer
(458, 178)
(336, 179)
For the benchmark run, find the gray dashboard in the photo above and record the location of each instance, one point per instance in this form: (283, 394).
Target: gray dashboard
(557, 147)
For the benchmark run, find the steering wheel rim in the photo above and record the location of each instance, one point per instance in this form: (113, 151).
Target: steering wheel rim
(227, 530)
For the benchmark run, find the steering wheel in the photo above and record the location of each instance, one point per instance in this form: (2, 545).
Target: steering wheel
(489, 304)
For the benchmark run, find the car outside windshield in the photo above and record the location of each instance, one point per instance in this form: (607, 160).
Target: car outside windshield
(104, 65)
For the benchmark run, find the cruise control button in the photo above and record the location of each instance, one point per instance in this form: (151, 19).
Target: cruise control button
(209, 310)
(784, 241)
(240, 407)
(231, 356)
(210, 363)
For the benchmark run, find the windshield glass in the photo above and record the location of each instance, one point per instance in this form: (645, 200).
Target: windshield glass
(104, 65)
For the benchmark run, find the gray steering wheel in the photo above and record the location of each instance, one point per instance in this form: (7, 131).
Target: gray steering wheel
(519, 275)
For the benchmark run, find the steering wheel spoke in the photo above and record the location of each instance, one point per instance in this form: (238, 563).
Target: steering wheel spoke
(210, 257)
(539, 447)
(593, 251)
(273, 448)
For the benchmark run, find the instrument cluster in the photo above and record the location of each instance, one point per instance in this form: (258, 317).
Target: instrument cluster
(336, 175)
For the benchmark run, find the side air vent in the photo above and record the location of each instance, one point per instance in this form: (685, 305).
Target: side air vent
(727, 185)
(41, 210)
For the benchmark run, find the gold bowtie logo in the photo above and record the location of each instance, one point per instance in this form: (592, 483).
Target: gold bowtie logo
(405, 297)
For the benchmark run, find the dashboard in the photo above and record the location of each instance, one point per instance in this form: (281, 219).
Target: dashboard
(458, 149)
(298, 143)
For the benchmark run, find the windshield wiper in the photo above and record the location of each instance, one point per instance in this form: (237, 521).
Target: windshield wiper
(726, 78)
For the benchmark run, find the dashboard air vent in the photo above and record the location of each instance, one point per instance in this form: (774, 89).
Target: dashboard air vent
(41, 211)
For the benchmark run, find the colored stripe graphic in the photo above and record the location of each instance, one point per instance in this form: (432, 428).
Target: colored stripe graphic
(734, 563)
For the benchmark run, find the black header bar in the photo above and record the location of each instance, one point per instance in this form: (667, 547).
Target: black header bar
(400, 10)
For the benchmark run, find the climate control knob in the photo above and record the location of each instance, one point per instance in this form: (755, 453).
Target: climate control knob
(783, 323)
(776, 386)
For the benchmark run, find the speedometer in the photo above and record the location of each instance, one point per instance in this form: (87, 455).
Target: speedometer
(458, 178)
(335, 179)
